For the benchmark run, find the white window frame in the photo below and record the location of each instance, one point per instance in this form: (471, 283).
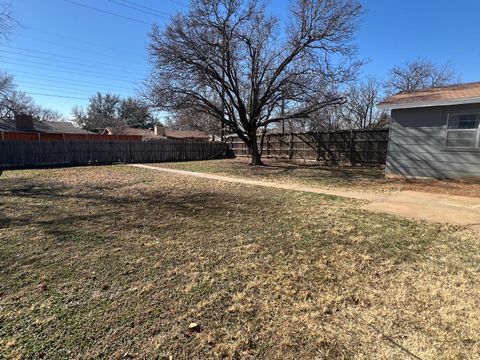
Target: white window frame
(447, 130)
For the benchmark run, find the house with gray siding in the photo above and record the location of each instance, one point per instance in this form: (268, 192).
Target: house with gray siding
(435, 133)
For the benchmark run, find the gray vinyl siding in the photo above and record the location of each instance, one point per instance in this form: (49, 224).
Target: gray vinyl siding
(417, 145)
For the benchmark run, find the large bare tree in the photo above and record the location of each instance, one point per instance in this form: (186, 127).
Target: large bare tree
(233, 61)
(419, 74)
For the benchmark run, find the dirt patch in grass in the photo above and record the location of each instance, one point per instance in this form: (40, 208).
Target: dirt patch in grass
(359, 178)
(117, 262)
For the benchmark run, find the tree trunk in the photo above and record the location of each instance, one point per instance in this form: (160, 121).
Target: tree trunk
(255, 154)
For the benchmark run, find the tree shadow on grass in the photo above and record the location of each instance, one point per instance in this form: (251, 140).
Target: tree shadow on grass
(56, 211)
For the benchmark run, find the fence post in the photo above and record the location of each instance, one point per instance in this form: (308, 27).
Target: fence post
(290, 147)
(268, 145)
(350, 146)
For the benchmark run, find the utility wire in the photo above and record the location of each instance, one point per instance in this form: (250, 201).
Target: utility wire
(81, 49)
(136, 8)
(178, 2)
(111, 68)
(56, 78)
(64, 90)
(69, 88)
(52, 54)
(71, 85)
(145, 7)
(76, 39)
(107, 12)
(55, 95)
(44, 66)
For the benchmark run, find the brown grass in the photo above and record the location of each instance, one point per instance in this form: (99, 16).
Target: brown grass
(100, 262)
(363, 178)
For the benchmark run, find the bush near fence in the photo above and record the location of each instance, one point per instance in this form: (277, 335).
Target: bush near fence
(356, 147)
(25, 154)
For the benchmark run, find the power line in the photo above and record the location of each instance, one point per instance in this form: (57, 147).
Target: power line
(107, 12)
(138, 8)
(178, 2)
(90, 88)
(55, 95)
(64, 80)
(52, 54)
(79, 49)
(52, 34)
(145, 7)
(56, 89)
(123, 70)
(63, 70)
(68, 87)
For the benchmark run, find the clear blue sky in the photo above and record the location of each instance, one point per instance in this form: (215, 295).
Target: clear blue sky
(64, 49)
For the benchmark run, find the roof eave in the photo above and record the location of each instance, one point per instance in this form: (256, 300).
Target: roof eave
(422, 104)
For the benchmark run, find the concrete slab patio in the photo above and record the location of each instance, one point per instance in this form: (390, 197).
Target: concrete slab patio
(440, 208)
(458, 210)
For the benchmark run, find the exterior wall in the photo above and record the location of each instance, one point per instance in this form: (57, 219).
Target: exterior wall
(417, 145)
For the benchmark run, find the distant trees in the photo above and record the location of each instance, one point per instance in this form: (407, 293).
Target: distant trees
(14, 101)
(358, 111)
(419, 74)
(108, 110)
(135, 113)
(227, 59)
(6, 84)
(189, 119)
(361, 100)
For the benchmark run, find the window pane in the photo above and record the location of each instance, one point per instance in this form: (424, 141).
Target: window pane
(463, 121)
(461, 138)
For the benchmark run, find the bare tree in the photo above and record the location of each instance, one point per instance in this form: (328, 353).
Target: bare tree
(46, 114)
(362, 98)
(230, 60)
(419, 74)
(189, 119)
(16, 102)
(7, 21)
(6, 84)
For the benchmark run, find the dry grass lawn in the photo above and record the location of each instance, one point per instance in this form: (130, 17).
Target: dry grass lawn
(116, 262)
(363, 178)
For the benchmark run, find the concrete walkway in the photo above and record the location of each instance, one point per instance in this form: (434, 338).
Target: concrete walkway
(458, 210)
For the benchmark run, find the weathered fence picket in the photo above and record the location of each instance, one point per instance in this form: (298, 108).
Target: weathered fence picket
(356, 147)
(24, 154)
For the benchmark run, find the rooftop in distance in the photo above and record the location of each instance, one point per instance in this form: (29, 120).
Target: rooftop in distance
(468, 93)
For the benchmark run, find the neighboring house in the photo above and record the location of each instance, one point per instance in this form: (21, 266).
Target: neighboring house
(159, 133)
(146, 134)
(194, 135)
(435, 132)
(26, 123)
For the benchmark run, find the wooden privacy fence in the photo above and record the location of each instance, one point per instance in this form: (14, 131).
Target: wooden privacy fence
(24, 154)
(31, 136)
(356, 147)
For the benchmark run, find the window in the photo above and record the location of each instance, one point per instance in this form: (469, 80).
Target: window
(463, 130)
